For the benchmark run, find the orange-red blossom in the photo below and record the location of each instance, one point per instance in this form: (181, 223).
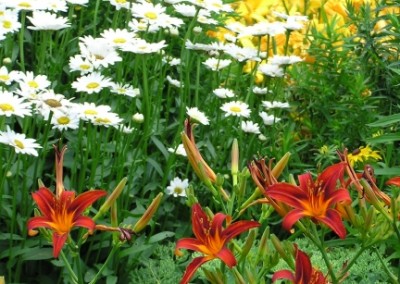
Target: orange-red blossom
(211, 239)
(62, 211)
(314, 199)
(304, 273)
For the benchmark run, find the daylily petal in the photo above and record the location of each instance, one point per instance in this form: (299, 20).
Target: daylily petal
(332, 220)
(192, 267)
(58, 243)
(287, 193)
(238, 227)
(291, 218)
(339, 195)
(37, 222)
(303, 267)
(283, 274)
(200, 222)
(305, 181)
(192, 244)
(216, 226)
(84, 200)
(394, 181)
(45, 200)
(84, 222)
(329, 177)
(227, 256)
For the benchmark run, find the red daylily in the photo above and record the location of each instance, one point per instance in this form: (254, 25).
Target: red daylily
(394, 181)
(314, 199)
(211, 239)
(62, 211)
(304, 274)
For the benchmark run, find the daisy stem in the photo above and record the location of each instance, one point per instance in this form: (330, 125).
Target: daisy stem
(96, 12)
(21, 41)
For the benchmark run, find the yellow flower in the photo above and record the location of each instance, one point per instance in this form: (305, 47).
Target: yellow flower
(362, 155)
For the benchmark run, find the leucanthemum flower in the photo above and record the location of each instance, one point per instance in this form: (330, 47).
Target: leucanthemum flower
(30, 81)
(9, 22)
(78, 63)
(173, 82)
(42, 20)
(8, 77)
(260, 91)
(57, 5)
(118, 4)
(13, 105)
(138, 117)
(177, 187)
(264, 28)
(216, 64)
(224, 93)
(268, 119)
(89, 111)
(21, 144)
(98, 51)
(50, 101)
(179, 150)
(107, 119)
(271, 70)
(125, 90)
(126, 129)
(140, 46)
(91, 83)
(284, 59)
(236, 108)
(250, 127)
(29, 5)
(275, 104)
(241, 53)
(78, 2)
(197, 115)
(119, 37)
(65, 120)
(171, 61)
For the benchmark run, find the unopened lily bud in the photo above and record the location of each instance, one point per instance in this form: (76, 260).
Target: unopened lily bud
(369, 218)
(40, 183)
(278, 246)
(263, 247)
(238, 277)
(191, 198)
(248, 244)
(151, 210)
(280, 165)
(235, 160)
(111, 199)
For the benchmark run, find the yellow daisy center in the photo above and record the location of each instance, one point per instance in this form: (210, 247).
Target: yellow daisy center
(90, 112)
(235, 109)
(7, 24)
(53, 103)
(92, 85)
(178, 190)
(103, 120)
(24, 5)
(119, 40)
(19, 144)
(63, 120)
(84, 66)
(120, 1)
(4, 77)
(151, 15)
(33, 84)
(6, 107)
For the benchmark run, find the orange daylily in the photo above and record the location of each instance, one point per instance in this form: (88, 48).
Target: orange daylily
(304, 274)
(394, 181)
(211, 239)
(62, 211)
(314, 199)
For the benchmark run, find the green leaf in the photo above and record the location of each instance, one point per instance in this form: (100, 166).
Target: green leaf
(385, 138)
(385, 121)
(160, 146)
(160, 236)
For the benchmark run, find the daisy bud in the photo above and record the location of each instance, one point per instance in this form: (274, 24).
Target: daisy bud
(138, 117)
(7, 60)
(151, 210)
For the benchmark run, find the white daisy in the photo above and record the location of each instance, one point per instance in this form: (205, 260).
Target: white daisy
(21, 144)
(197, 115)
(140, 46)
(284, 59)
(107, 119)
(125, 90)
(171, 61)
(98, 51)
(250, 127)
(13, 105)
(263, 28)
(271, 70)
(177, 187)
(268, 119)
(65, 120)
(242, 53)
(50, 101)
(78, 2)
(179, 150)
(91, 83)
(224, 93)
(42, 20)
(118, 4)
(275, 104)
(78, 63)
(236, 108)
(9, 22)
(30, 81)
(89, 111)
(57, 5)
(216, 64)
(173, 82)
(126, 129)
(119, 37)
(260, 91)
(7, 77)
